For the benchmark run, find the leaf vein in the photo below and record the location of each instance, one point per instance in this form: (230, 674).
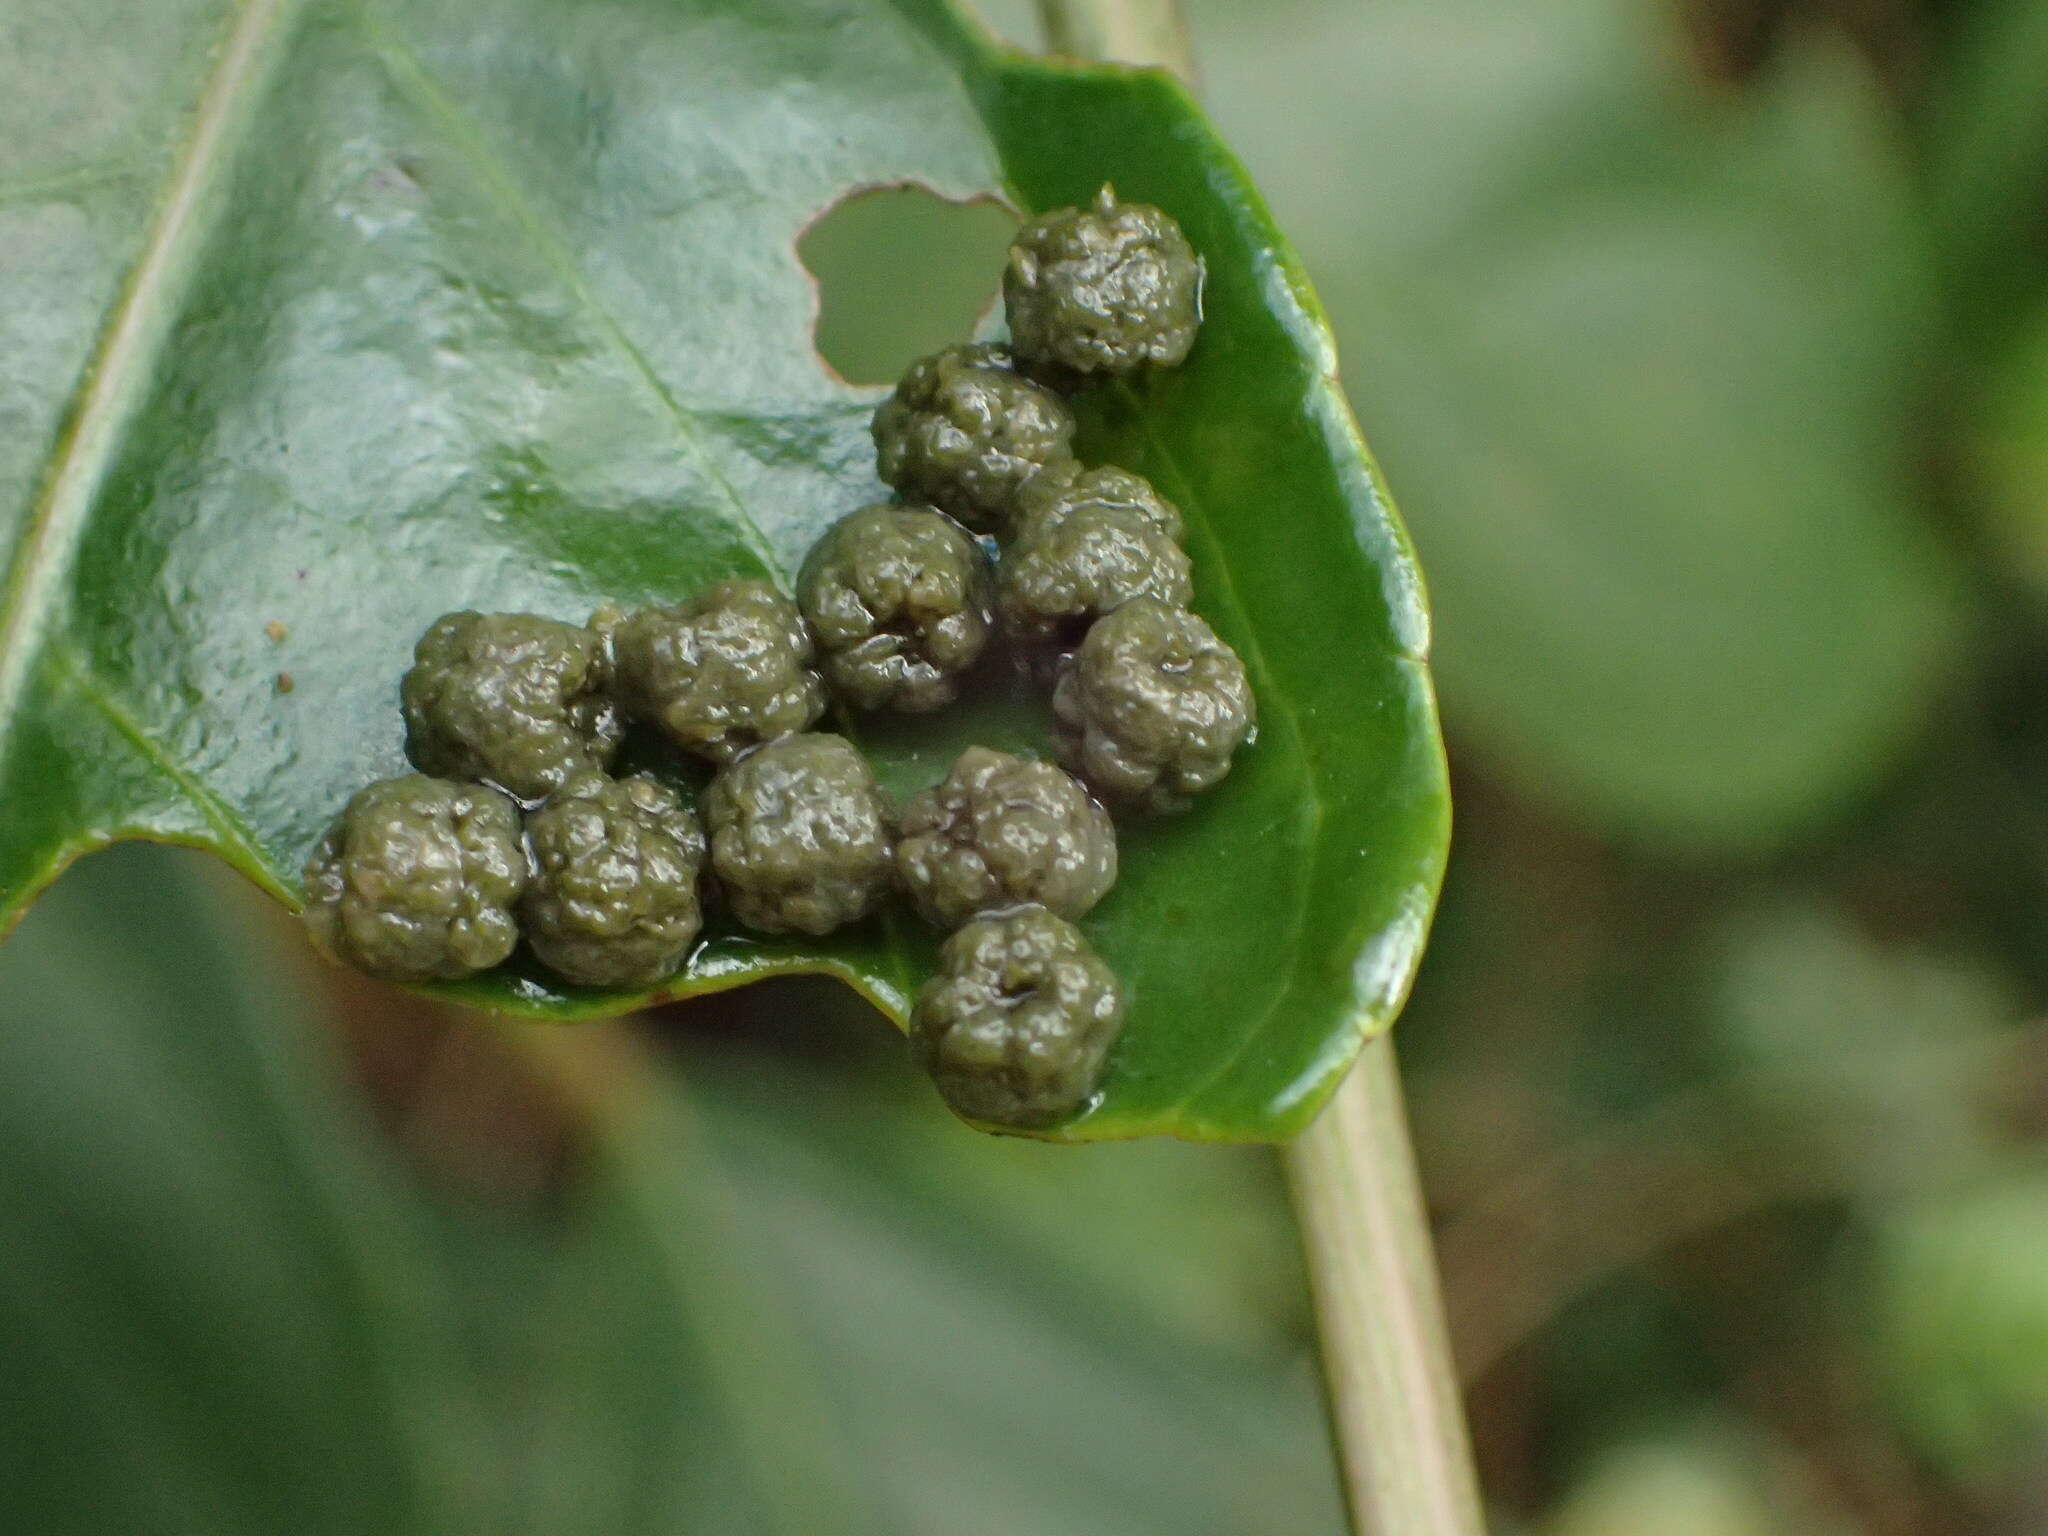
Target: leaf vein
(77, 178)
(407, 70)
(136, 332)
(238, 837)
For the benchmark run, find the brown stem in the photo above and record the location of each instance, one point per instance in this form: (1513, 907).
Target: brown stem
(1395, 1406)
(1126, 31)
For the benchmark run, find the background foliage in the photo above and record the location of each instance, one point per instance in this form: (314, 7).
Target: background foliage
(1709, 351)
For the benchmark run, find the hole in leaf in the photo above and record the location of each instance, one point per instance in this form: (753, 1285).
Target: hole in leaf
(901, 272)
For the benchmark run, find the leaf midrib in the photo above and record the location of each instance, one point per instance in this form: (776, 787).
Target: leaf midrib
(133, 339)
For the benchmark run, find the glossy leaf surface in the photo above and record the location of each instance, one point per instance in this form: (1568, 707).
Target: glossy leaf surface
(370, 312)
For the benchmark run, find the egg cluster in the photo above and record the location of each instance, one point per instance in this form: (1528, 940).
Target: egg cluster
(515, 828)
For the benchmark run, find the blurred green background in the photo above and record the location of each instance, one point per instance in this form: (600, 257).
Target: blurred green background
(1706, 346)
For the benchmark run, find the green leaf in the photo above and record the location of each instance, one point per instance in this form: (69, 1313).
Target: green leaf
(231, 1308)
(1703, 1478)
(1960, 1326)
(407, 307)
(1077, 1388)
(2008, 448)
(1645, 363)
(1881, 1062)
(1987, 153)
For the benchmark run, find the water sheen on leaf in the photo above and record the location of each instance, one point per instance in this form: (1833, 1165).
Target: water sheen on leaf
(365, 312)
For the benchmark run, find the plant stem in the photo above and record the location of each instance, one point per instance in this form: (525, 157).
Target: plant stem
(1398, 1419)
(1127, 31)
(1395, 1408)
